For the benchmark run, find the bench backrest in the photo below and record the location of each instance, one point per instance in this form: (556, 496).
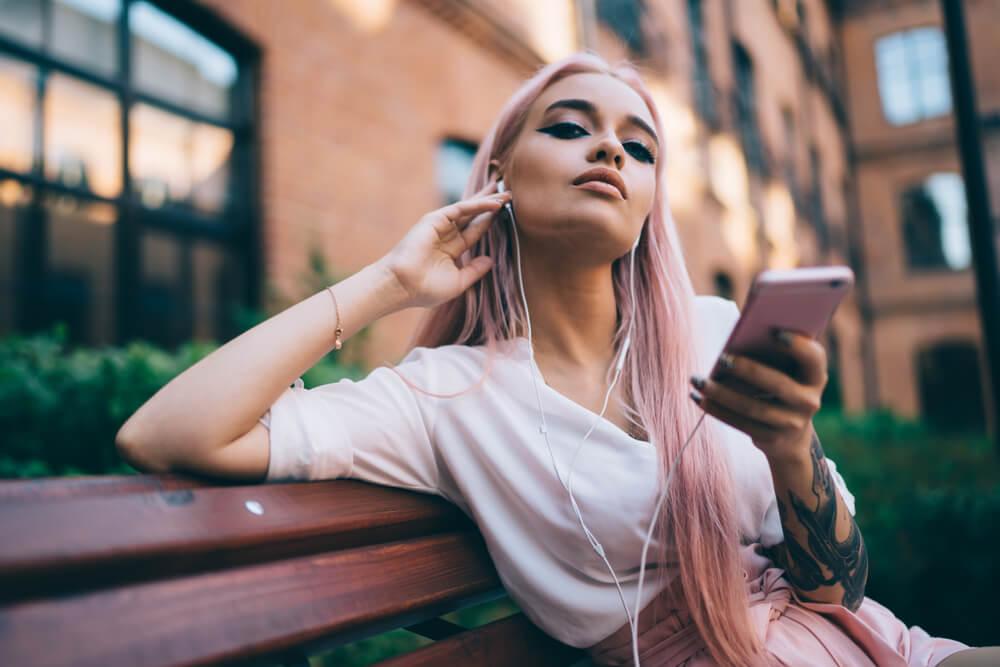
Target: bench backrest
(163, 569)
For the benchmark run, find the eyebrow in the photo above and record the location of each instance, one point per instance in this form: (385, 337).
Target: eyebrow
(588, 108)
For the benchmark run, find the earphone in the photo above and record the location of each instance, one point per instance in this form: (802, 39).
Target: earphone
(543, 429)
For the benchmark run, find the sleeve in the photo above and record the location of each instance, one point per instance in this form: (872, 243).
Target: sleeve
(372, 429)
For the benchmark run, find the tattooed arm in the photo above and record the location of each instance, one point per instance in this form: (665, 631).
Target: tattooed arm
(823, 554)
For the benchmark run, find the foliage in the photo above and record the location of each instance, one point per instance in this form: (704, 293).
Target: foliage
(928, 504)
(60, 408)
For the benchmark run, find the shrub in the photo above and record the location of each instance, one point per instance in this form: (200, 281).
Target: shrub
(60, 408)
(928, 505)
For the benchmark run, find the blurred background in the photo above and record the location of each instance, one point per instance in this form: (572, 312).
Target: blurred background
(173, 172)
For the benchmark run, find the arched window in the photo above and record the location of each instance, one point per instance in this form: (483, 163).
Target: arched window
(127, 131)
(951, 393)
(913, 75)
(935, 224)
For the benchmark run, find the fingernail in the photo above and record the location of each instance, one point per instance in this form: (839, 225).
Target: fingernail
(698, 382)
(696, 397)
(726, 361)
(783, 337)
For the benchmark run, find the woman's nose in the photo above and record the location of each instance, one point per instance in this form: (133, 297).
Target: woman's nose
(608, 149)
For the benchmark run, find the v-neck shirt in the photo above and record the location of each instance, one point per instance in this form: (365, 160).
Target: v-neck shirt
(483, 451)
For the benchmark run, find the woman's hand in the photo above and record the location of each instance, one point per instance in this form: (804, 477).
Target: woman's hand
(774, 408)
(424, 262)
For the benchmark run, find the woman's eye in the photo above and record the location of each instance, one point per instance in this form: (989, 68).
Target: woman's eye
(565, 131)
(639, 152)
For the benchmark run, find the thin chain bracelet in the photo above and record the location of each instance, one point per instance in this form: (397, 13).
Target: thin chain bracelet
(338, 332)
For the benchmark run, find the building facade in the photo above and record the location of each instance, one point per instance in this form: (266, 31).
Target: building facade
(921, 311)
(174, 158)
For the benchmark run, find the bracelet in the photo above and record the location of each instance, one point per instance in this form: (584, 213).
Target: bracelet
(337, 332)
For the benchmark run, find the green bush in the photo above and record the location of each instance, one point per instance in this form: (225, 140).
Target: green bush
(60, 408)
(928, 505)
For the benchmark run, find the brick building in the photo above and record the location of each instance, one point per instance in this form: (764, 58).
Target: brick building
(194, 156)
(920, 309)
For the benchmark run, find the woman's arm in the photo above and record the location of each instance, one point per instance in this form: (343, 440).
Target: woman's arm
(190, 423)
(823, 553)
(219, 399)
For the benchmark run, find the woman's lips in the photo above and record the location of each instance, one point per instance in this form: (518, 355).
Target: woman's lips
(603, 180)
(602, 187)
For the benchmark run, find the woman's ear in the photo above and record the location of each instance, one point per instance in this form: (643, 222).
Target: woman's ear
(494, 172)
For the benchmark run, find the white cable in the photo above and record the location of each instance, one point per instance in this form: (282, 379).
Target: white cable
(567, 484)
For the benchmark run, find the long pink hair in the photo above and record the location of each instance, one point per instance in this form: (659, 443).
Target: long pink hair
(699, 511)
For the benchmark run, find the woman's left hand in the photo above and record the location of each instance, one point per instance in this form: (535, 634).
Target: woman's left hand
(774, 408)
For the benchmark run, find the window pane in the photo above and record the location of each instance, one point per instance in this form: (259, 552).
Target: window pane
(174, 160)
(82, 136)
(174, 62)
(948, 193)
(86, 33)
(22, 20)
(217, 289)
(80, 268)
(14, 200)
(162, 316)
(17, 104)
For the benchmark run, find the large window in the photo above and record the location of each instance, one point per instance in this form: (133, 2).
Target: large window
(126, 131)
(913, 75)
(935, 224)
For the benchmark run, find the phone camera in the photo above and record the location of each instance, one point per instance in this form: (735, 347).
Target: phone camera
(836, 283)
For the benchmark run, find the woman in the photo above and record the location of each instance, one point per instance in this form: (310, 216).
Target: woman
(547, 398)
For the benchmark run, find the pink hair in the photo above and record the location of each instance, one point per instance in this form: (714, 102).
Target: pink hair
(699, 509)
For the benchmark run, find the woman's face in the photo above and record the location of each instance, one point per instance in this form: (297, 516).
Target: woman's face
(582, 171)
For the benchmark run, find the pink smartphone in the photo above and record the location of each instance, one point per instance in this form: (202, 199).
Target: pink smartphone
(801, 300)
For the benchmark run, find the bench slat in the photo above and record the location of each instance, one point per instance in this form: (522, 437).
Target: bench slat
(75, 545)
(509, 641)
(67, 488)
(250, 611)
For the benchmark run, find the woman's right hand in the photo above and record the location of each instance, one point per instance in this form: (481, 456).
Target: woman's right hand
(424, 261)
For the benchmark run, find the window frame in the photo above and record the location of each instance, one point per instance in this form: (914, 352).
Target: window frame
(235, 229)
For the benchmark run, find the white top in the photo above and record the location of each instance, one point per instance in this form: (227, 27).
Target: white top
(483, 451)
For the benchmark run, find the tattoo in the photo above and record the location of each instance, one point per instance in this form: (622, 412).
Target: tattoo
(805, 565)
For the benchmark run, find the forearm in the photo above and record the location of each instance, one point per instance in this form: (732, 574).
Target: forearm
(222, 396)
(823, 553)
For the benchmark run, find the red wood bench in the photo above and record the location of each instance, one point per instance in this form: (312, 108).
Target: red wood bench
(170, 570)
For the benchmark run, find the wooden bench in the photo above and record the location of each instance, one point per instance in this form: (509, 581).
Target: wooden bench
(169, 570)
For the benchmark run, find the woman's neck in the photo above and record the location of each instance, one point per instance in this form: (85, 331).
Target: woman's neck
(573, 314)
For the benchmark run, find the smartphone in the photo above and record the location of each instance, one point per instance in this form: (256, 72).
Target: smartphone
(800, 300)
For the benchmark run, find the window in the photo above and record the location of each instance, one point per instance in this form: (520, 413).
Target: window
(817, 213)
(624, 17)
(951, 390)
(723, 285)
(704, 91)
(913, 75)
(454, 162)
(118, 164)
(745, 109)
(791, 146)
(935, 224)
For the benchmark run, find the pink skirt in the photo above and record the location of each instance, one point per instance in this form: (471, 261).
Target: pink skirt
(795, 632)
